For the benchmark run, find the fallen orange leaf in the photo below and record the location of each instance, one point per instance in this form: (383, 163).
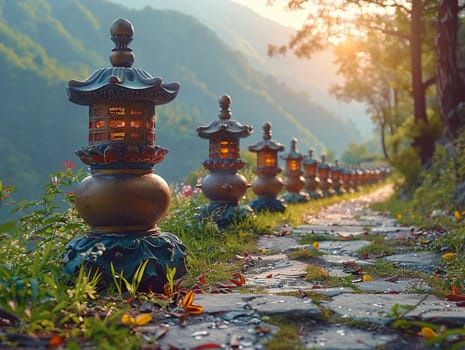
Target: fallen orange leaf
(136, 322)
(202, 279)
(188, 306)
(238, 279)
(449, 256)
(188, 299)
(366, 278)
(455, 297)
(56, 341)
(428, 333)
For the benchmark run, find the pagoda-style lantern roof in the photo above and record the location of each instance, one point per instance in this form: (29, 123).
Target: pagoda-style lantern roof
(224, 126)
(323, 164)
(309, 160)
(336, 168)
(224, 135)
(121, 102)
(293, 152)
(267, 143)
(121, 82)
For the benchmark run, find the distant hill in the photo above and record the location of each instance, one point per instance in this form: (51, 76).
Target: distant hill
(249, 33)
(44, 43)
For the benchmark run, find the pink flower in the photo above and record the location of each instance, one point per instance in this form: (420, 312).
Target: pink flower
(66, 164)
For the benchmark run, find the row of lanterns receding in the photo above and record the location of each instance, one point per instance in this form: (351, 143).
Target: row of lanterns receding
(305, 177)
(122, 200)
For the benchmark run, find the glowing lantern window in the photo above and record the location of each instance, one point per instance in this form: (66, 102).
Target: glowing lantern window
(136, 124)
(293, 164)
(266, 159)
(99, 124)
(136, 113)
(117, 123)
(117, 136)
(224, 149)
(117, 111)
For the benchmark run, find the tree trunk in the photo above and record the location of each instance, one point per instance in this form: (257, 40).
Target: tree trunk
(383, 140)
(424, 143)
(450, 86)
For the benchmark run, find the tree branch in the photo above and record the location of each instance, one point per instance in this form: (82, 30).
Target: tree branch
(429, 82)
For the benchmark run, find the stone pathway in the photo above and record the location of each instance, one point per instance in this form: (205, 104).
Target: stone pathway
(351, 315)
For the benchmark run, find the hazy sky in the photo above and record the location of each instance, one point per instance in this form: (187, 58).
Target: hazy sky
(278, 12)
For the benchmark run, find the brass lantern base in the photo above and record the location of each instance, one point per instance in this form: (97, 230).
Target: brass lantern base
(317, 194)
(225, 214)
(271, 204)
(126, 253)
(293, 197)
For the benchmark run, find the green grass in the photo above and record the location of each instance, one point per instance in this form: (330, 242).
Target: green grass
(74, 308)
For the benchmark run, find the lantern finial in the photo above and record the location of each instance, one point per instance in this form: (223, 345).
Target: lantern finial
(121, 31)
(225, 112)
(294, 144)
(267, 131)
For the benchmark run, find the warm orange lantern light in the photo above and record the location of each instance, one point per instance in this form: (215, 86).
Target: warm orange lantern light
(267, 159)
(122, 199)
(223, 186)
(312, 181)
(294, 182)
(293, 164)
(266, 185)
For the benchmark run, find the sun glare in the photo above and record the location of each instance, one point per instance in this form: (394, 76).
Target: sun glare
(278, 12)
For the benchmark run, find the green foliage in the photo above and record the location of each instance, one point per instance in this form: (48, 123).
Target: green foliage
(438, 184)
(132, 286)
(45, 43)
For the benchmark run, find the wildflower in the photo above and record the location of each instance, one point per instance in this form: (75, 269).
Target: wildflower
(457, 215)
(316, 245)
(187, 191)
(428, 333)
(66, 164)
(136, 322)
(399, 216)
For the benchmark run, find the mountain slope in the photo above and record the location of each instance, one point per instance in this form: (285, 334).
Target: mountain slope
(249, 33)
(41, 128)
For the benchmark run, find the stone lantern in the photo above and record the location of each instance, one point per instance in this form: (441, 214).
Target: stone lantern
(312, 181)
(347, 179)
(324, 171)
(336, 177)
(357, 175)
(294, 181)
(122, 200)
(266, 185)
(223, 186)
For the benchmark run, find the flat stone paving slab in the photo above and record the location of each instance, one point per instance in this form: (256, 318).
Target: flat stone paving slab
(416, 261)
(377, 308)
(266, 304)
(401, 286)
(339, 337)
(342, 247)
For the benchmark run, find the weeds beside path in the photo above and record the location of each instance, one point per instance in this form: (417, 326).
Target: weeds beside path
(322, 274)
